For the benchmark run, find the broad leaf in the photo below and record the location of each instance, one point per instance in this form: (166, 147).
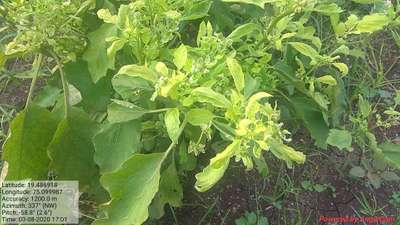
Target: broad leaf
(391, 153)
(71, 151)
(116, 143)
(121, 111)
(372, 23)
(236, 71)
(313, 120)
(172, 122)
(305, 49)
(170, 192)
(95, 96)
(96, 54)
(259, 3)
(25, 149)
(132, 189)
(180, 57)
(198, 10)
(327, 79)
(340, 138)
(198, 117)
(216, 169)
(207, 95)
(138, 71)
(243, 30)
(357, 172)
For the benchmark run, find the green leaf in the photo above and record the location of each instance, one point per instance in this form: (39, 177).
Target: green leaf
(25, 149)
(305, 49)
(287, 153)
(391, 153)
(121, 111)
(340, 138)
(172, 122)
(71, 151)
(327, 79)
(127, 86)
(170, 192)
(372, 23)
(236, 71)
(47, 97)
(243, 30)
(96, 54)
(198, 10)
(139, 71)
(180, 57)
(95, 96)
(115, 143)
(364, 106)
(313, 120)
(216, 169)
(132, 189)
(366, 1)
(207, 95)
(187, 162)
(259, 3)
(390, 176)
(328, 9)
(342, 68)
(198, 117)
(357, 171)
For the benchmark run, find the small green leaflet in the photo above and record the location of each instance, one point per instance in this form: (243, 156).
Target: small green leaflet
(139, 71)
(340, 138)
(96, 54)
(372, 23)
(172, 122)
(216, 169)
(115, 143)
(236, 71)
(207, 95)
(180, 57)
(198, 117)
(25, 149)
(132, 188)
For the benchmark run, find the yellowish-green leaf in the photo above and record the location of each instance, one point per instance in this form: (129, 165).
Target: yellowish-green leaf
(372, 23)
(207, 95)
(327, 79)
(198, 117)
(172, 122)
(180, 56)
(342, 68)
(259, 3)
(138, 71)
(305, 49)
(237, 73)
(216, 169)
(243, 30)
(132, 188)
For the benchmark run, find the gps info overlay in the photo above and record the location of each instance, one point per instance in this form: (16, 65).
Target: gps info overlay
(39, 202)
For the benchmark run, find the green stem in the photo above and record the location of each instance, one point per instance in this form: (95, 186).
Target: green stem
(35, 69)
(64, 85)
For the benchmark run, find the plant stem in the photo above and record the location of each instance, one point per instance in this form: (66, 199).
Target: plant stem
(35, 69)
(64, 85)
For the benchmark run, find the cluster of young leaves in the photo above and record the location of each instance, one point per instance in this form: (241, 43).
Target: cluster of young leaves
(161, 82)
